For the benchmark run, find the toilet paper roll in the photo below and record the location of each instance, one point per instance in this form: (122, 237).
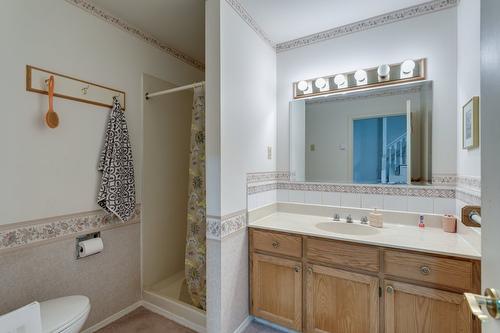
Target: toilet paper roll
(89, 247)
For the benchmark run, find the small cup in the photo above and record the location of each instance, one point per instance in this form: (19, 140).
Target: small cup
(449, 223)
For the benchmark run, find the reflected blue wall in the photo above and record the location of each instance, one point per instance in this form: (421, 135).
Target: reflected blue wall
(368, 145)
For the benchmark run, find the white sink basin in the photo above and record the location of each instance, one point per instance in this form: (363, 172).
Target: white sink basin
(347, 228)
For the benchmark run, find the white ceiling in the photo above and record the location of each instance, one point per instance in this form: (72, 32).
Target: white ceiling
(177, 23)
(284, 20)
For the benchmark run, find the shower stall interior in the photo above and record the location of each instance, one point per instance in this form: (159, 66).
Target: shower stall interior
(166, 147)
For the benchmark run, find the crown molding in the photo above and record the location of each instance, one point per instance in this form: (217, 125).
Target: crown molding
(91, 8)
(245, 16)
(370, 23)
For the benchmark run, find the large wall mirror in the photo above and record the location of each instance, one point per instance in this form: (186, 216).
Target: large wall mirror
(375, 136)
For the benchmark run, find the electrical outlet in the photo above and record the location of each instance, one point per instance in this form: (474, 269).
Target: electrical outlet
(269, 152)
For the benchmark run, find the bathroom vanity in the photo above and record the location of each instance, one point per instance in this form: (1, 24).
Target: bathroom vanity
(311, 274)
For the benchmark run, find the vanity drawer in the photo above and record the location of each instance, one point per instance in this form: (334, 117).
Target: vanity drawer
(272, 242)
(442, 271)
(344, 254)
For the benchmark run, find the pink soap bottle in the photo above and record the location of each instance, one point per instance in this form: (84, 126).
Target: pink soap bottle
(421, 223)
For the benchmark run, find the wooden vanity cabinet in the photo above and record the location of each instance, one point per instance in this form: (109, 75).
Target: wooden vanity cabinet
(318, 285)
(413, 309)
(341, 301)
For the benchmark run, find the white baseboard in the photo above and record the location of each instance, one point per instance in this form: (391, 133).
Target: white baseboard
(273, 325)
(113, 318)
(169, 315)
(153, 308)
(244, 324)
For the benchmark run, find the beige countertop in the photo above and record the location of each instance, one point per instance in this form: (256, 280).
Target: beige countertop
(429, 240)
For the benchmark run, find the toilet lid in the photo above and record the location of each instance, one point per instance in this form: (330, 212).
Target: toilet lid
(59, 313)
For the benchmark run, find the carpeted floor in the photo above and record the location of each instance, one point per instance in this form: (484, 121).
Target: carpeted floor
(144, 321)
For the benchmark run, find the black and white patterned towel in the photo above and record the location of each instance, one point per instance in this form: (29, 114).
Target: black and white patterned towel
(117, 192)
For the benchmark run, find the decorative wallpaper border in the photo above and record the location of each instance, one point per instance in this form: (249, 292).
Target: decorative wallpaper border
(219, 228)
(444, 179)
(392, 17)
(91, 8)
(245, 16)
(413, 191)
(258, 177)
(470, 182)
(268, 181)
(468, 197)
(33, 232)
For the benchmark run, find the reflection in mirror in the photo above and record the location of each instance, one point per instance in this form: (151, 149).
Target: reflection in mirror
(376, 136)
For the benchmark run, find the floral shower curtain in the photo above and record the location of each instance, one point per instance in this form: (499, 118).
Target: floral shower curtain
(195, 261)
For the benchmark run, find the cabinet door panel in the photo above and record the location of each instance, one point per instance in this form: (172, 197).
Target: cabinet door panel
(341, 301)
(277, 290)
(414, 309)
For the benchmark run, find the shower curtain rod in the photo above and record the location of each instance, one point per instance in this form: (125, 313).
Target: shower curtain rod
(168, 91)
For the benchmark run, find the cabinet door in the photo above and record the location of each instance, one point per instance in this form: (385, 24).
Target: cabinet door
(415, 309)
(277, 290)
(338, 301)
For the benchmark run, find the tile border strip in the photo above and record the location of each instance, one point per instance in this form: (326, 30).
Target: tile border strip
(370, 23)
(219, 228)
(91, 8)
(54, 228)
(248, 19)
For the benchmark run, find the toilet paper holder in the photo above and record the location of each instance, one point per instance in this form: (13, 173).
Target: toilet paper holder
(84, 238)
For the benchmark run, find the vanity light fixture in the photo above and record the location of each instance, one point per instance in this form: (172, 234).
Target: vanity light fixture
(407, 68)
(340, 81)
(320, 83)
(384, 72)
(303, 85)
(361, 77)
(381, 75)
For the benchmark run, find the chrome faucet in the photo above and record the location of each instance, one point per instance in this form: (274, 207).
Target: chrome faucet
(348, 218)
(364, 220)
(336, 217)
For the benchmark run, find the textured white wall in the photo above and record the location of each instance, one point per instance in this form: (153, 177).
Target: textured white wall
(431, 36)
(468, 78)
(48, 172)
(248, 107)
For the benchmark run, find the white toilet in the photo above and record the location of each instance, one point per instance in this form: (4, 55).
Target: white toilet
(65, 314)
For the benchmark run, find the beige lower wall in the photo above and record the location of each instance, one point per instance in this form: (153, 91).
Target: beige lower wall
(111, 279)
(166, 146)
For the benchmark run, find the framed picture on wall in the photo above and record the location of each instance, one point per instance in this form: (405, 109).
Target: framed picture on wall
(470, 124)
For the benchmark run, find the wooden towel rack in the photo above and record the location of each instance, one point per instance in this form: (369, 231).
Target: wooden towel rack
(72, 88)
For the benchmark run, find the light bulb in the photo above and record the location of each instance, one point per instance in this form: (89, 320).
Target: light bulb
(383, 71)
(340, 80)
(360, 77)
(407, 67)
(320, 83)
(302, 85)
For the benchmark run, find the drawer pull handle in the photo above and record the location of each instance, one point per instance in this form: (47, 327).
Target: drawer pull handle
(276, 244)
(389, 289)
(297, 269)
(309, 270)
(425, 270)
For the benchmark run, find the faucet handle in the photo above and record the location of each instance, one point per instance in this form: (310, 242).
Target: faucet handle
(348, 218)
(364, 220)
(336, 217)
